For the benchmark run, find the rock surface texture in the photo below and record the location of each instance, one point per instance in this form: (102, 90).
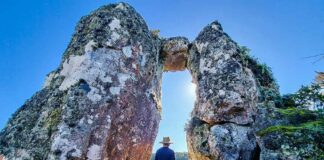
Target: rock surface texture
(104, 100)
(175, 53)
(92, 106)
(226, 99)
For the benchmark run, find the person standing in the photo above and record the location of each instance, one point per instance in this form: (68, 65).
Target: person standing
(165, 153)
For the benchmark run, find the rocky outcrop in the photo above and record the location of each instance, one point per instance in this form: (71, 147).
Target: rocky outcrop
(289, 133)
(104, 100)
(92, 106)
(239, 113)
(226, 99)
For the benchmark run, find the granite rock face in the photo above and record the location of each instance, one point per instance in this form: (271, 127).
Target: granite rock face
(226, 102)
(239, 113)
(227, 91)
(104, 100)
(92, 106)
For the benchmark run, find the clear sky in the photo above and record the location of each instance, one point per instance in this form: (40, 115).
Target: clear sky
(35, 33)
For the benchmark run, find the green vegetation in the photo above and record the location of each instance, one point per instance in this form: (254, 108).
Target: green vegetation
(296, 115)
(299, 120)
(262, 72)
(305, 97)
(308, 95)
(53, 120)
(314, 126)
(267, 84)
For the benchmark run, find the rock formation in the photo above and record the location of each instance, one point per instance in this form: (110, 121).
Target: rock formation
(104, 100)
(175, 53)
(226, 99)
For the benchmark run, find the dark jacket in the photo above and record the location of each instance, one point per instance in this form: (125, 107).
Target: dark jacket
(164, 153)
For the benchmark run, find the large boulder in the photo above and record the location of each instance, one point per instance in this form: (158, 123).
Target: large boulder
(102, 102)
(226, 102)
(226, 90)
(239, 113)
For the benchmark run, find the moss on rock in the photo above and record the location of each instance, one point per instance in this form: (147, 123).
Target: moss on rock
(313, 126)
(53, 120)
(268, 88)
(296, 115)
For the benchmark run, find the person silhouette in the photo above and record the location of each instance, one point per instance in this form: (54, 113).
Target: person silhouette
(165, 153)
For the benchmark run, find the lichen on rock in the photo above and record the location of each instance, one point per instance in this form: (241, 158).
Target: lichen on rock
(91, 107)
(104, 100)
(227, 96)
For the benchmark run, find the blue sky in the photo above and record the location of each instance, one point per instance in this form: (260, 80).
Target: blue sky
(35, 33)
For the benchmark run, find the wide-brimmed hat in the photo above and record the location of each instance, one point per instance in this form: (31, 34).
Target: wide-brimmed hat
(166, 140)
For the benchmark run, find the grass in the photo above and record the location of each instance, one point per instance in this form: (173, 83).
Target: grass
(313, 126)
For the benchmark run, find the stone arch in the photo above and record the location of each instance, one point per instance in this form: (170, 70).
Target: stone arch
(104, 100)
(226, 94)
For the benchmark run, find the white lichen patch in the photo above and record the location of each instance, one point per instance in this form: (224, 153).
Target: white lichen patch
(90, 121)
(108, 119)
(114, 90)
(201, 46)
(114, 24)
(127, 51)
(122, 78)
(63, 144)
(77, 153)
(134, 65)
(216, 27)
(71, 71)
(49, 79)
(94, 95)
(120, 6)
(81, 122)
(90, 67)
(113, 38)
(143, 60)
(106, 79)
(94, 152)
(89, 46)
(226, 56)
(206, 65)
(221, 93)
